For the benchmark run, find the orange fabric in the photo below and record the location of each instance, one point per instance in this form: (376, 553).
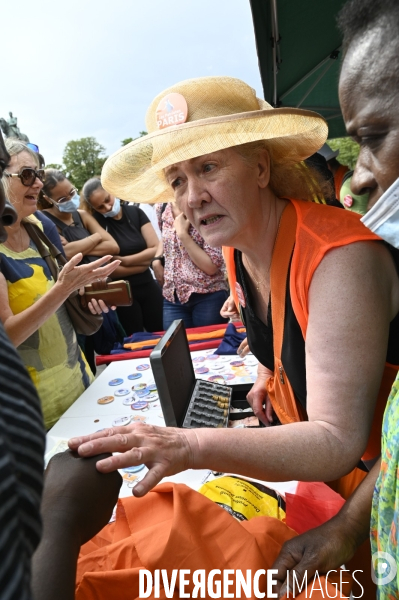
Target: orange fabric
(338, 178)
(279, 389)
(174, 527)
(219, 333)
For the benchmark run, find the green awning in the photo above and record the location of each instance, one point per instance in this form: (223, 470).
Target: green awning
(298, 46)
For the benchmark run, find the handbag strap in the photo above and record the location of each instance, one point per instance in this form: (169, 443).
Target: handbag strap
(281, 257)
(47, 250)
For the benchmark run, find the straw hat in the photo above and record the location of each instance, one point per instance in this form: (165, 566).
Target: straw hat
(211, 113)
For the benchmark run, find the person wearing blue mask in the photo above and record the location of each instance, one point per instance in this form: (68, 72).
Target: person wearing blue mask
(131, 229)
(79, 231)
(32, 304)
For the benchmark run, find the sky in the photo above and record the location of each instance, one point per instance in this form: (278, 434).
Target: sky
(81, 68)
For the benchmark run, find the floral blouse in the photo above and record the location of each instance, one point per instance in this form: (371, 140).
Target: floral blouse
(181, 275)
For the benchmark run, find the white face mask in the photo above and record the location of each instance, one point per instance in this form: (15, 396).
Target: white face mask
(114, 210)
(383, 217)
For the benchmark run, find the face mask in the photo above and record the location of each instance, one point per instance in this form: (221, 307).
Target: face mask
(70, 205)
(383, 217)
(114, 210)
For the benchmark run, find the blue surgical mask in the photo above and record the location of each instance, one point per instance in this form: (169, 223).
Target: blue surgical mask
(70, 205)
(114, 212)
(383, 217)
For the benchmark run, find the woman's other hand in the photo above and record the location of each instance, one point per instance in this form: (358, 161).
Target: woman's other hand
(164, 450)
(243, 348)
(258, 398)
(181, 225)
(72, 277)
(158, 272)
(229, 310)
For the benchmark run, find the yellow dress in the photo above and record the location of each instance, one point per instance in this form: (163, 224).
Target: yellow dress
(51, 355)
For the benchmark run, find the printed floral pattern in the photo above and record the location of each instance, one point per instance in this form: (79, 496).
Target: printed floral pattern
(385, 509)
(181, 275)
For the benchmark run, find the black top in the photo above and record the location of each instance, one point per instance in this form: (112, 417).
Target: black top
(127, 233)
(260, 336)
(74, 232)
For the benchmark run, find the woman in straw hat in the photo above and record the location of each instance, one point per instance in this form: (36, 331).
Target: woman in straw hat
(233, 165)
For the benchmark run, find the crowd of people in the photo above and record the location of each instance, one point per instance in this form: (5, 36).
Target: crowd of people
(248, 227)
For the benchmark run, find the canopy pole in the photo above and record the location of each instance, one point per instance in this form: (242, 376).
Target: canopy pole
(326, 68)
(276, 48)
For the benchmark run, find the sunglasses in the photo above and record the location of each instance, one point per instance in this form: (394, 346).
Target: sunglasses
(28, 176)
(65, 198)
(33, 147)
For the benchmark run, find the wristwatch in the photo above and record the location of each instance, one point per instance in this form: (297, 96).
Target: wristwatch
(160, 258)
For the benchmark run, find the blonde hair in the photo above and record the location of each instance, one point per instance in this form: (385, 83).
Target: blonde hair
(14, 147)
(288, 179)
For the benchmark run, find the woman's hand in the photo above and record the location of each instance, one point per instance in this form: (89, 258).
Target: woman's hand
(181, 225)
(229, 310)
(243, 348)
(158, 272)
(72, 277)
(164, 450)
(258, 397)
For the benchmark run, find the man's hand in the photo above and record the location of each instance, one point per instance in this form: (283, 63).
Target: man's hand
(77, 495)
(321, 549)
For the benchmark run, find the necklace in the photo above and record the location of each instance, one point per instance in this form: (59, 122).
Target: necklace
(257, 282)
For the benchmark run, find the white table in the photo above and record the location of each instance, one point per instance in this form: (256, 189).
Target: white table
(86, 416)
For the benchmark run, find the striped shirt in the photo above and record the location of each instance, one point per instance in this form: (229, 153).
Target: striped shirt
(22, 439)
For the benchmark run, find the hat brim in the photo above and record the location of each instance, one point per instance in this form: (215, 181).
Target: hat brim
(136, 171)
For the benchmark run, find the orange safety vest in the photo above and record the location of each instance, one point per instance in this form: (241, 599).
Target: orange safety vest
(317, 230)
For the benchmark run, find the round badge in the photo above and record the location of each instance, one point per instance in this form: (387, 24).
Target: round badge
(115, 382)
(198, 359)
(142, 367)
(105, 400)
(172, 110)
(202, 370)
(142, 393)
(135, 469)
(348, 201)
(246, 380)
(240, 294)
(121, 421)
(237, 363)
(134, 376)
(218, 367)
(129, 401)
(213, 357)
(152, 387)
(216, 378)
(151, 397)
(139, 386)
(228, 377)
(225, 358)
(139, 405)
(121, 392)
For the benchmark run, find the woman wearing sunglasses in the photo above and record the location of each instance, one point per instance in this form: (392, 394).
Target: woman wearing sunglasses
(31, 302)
(79, 231)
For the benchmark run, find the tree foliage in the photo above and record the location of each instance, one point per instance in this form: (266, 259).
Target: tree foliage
(348, 150)
(55, 166)
(83, 158)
